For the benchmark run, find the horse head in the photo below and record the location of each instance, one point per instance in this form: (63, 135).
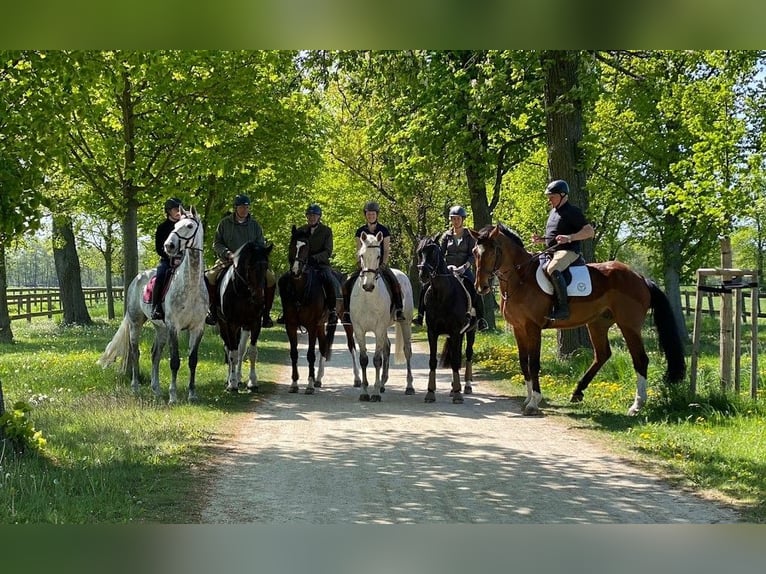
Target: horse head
(370, 255)
(430, 259)
(498, 252)
(186, 234)
(298, 253)
(250, 264)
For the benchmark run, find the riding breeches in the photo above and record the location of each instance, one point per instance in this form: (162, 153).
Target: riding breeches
(560, 260)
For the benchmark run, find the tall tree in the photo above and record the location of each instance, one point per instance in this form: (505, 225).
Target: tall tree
(68, 272)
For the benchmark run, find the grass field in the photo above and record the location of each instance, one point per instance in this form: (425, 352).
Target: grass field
(111, 457)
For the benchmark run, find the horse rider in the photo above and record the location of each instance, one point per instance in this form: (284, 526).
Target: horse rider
(457, 246)
(233, 231)
(319, 253)
(172, 215)
(373, 226)
(566, 228)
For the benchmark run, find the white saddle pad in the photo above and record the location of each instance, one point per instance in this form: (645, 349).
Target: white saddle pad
(580, 285)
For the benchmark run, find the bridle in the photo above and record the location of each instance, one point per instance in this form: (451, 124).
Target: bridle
(375, 272)
(255, 291)
(187, 242)
(430, 269)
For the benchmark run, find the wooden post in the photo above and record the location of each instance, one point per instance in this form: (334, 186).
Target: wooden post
(725, 341)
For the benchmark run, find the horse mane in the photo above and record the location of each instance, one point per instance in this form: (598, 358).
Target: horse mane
(504, 229)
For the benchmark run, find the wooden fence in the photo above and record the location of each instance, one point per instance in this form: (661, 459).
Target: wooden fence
(26, 303)
(712, 304)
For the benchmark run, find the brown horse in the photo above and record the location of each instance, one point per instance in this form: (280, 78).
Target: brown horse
(618, 295)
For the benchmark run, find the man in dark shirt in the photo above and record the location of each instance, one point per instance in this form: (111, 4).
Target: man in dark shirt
(566, 228)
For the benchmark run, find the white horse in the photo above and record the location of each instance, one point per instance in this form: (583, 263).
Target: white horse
(186, 303)
(370, 309)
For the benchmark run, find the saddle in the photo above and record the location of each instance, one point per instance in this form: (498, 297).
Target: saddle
(149, 289)
(577, 278)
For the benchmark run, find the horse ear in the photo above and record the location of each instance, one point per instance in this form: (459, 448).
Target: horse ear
(294, 229)
(269, 247)
(379, 236)
(363, 236)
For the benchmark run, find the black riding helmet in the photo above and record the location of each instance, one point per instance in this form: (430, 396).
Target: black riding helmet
(372, 206)
(241, 199)
(313, 209)
(458, 210)
(171, 203)
(558, 186)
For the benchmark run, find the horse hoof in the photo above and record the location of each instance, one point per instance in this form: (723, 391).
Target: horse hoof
(382, 390)
(409, 391)
(430, 398)
(309, 391)
(364, 398)
(318, 384)
(576, 398)
(457, 399)
(357, 384)
(293, 390)
(531, 412)
(252, 389)
(375, 399)
(468, 390)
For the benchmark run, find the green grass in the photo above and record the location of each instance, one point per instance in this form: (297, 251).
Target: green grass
(111, 456)
(712, 442)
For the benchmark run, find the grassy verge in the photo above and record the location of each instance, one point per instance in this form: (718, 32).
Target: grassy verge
(712, 442)
(110, 456)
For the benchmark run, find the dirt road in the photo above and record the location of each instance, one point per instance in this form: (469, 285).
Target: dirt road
(329, 459)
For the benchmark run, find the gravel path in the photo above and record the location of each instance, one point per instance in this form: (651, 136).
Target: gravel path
(329, 459)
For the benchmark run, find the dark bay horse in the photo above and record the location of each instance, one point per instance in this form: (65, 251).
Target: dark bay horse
(242, 292)
(303, 305)
(446, 304)
(186, 302)
(618, 296)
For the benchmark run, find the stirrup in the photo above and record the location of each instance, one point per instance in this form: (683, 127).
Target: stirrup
(267, 322)
(471, 324)
(482, 325)
(399, 315)
(346, 320)
(211, 320)
(559, 314)
(418, 320)
(158, 314)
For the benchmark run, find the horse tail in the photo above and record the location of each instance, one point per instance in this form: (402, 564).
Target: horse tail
(445, 361)
(669, 334)
(119, 346)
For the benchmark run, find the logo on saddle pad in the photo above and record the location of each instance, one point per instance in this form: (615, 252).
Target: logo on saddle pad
(578, 281)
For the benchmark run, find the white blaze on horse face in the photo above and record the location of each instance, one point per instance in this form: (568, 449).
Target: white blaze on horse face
(296, 267)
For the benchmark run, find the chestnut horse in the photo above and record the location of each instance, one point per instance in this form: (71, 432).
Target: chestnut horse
(618, 295)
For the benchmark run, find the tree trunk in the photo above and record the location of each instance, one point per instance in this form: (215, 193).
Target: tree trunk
(68, 271)
(130, 243)
(6, 334)
(564, 130)
(109, 278)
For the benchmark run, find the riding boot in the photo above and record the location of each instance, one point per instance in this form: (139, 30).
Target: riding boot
(158, 313)
(346, 292)
(212, 311)
(396, 293)
(561, 305)
(269, 301)
(419, 319)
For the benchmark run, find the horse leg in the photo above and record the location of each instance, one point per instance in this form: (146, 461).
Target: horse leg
(364, 394)
(195, 338)
(385, 363)
(354, 357)
(160, 339)
(470, 337)
(598, 331)
(640, 365)
(134, 351)
(529, 342)
(252, 356)
(433, 342)
(455, 348)
(311, 357)
(378, 360)
(323, 344)
(175, 364)
(406, 343)
(292, 335)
